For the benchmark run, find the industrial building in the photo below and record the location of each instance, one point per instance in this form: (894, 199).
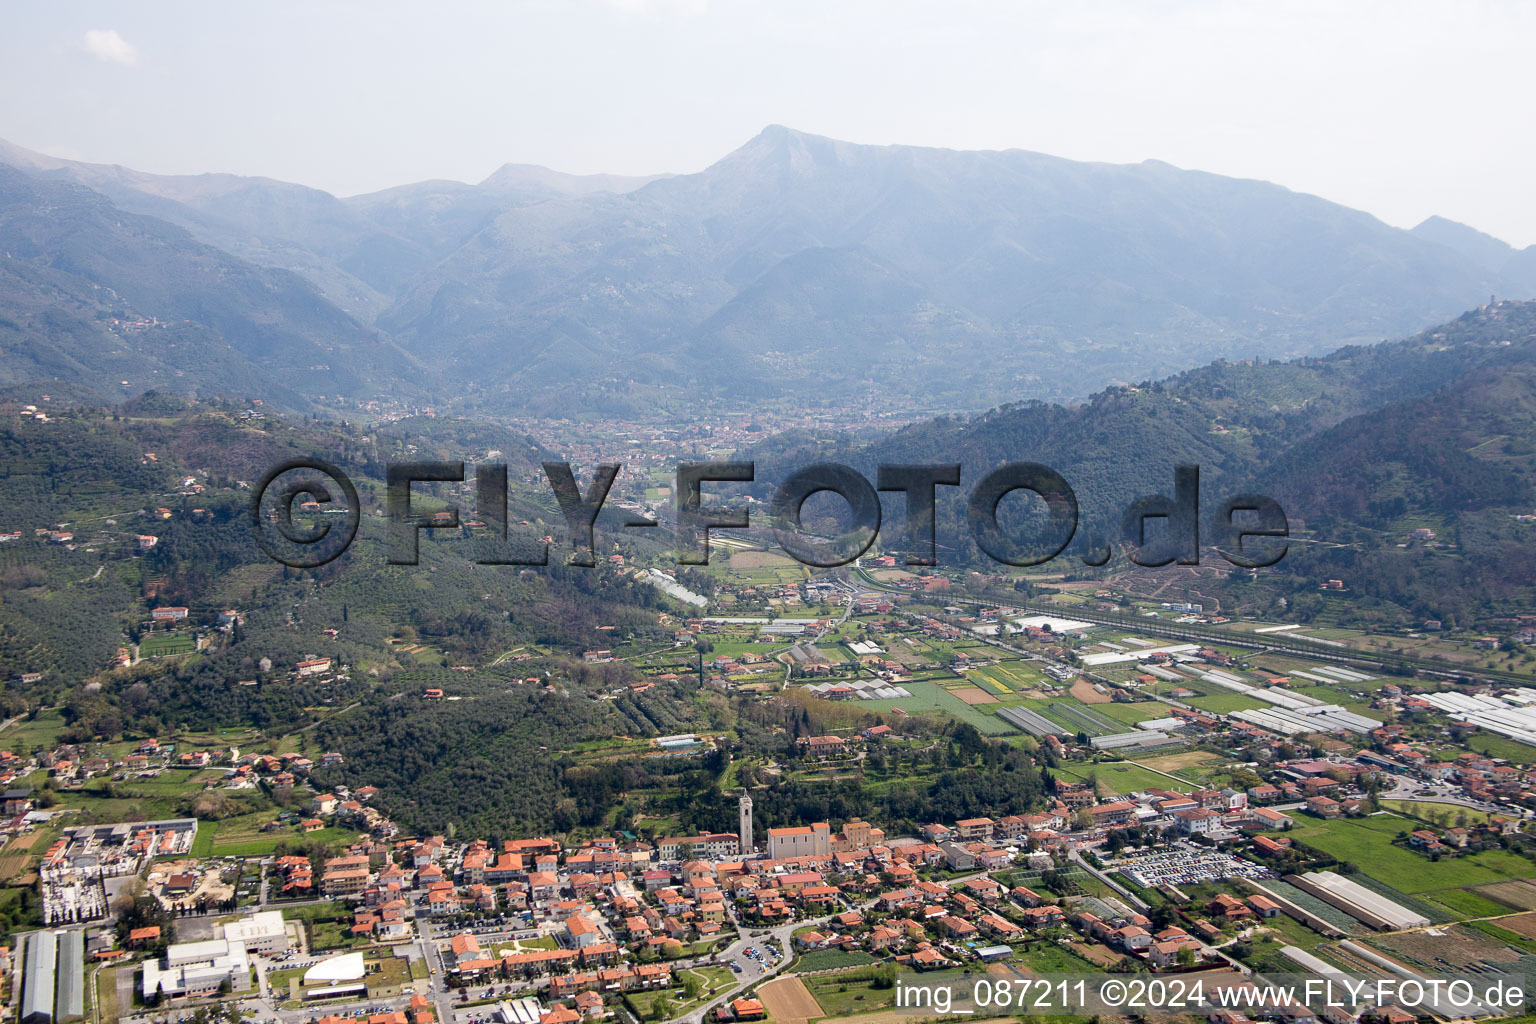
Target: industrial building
(69, 981)
(38, 980)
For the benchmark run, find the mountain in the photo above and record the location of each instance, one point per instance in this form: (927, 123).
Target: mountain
(1517, 266)
(800, 271)
(1361, 447)
(122, 303)
(358, 251)
(804, 266)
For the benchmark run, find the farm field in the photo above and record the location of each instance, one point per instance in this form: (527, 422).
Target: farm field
(1117, 778)
(1422, 809)
(1130, 714)
(830, 959)
(1173, 763)
(162, 645)
(16, 854)
(929, 698)
(1367, 843)
(1049, 958)
(1494, 745)
(242, 836)
(1467, 903)
(849, 992)
(1520, 895)
(1084, 691)
(788, 999)
(1225, 703)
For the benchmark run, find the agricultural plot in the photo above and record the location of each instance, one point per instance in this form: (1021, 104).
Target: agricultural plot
(1523, 925)
(42, 731)
(1078, 717)
(1463, 904)
(789, 1000)
(1016, 675)
(1494, 745)
(1176, 762)
(849, 992)
(1519, 895)
(1367, 843)
(1344, 698)
(992, 686)
(165, 645)
(1225, 703)
(1130, 714)
(1455, 945)
(1117, 778)
(972, 695)
(931, 699)
(16, 854)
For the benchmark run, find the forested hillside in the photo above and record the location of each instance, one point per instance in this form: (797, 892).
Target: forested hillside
(1360, 447)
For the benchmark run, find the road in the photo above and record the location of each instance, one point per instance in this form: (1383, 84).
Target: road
(1136, 901)
(752, 973)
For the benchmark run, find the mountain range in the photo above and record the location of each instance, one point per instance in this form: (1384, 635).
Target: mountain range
(797, 269)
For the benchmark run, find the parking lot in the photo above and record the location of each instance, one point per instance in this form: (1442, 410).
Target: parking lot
(1187, 865)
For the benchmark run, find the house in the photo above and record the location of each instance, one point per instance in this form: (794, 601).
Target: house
(1164, 955)
(747, 1009)
(1270, 818)
(1264, 906)
(1229, 907)
(1323, 806)
(1133, 937)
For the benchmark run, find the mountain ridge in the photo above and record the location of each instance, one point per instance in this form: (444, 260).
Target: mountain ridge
(798, 267)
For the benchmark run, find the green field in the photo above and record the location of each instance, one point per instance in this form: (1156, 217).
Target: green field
(1367, 843)
(930, 699)
(1119, 777)
(829, 959)
(840, 995)
(1130, 714)
(1337, 695)
(1423, 809)
(1225, 703)
(32, 733)
(161, 645)
(1501, 746)
(1466, 904)
(1049, 958)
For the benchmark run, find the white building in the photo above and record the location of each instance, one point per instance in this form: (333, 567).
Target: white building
(263, 933)
(198, 969)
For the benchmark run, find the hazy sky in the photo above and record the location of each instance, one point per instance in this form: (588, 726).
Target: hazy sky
(1400, 108)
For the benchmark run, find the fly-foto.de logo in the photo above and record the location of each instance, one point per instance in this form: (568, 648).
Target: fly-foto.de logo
(1247, 530)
